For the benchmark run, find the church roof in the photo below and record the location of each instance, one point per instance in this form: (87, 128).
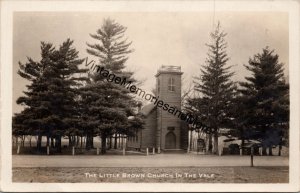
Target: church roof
(146, 110)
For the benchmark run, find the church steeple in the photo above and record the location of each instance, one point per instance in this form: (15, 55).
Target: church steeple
(168, 88)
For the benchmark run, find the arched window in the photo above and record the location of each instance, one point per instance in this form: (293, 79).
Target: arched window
(171, 84)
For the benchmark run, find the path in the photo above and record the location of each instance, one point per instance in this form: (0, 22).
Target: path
(157, 160)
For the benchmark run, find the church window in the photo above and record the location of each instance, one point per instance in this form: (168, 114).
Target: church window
(171, 85)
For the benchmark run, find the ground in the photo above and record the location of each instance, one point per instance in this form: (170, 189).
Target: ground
(154, 174)
(184, 168)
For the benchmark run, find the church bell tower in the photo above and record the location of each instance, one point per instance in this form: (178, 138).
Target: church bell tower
(168, 88)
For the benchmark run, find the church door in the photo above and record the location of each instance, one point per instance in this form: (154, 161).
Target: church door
(170, 140)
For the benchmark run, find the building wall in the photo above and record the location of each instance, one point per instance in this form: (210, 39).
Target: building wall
(148, 133)
(146, 136)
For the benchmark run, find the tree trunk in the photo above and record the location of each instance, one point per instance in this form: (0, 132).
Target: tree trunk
(88, 142)
(52, 142)
(264, 150)
(47, 143)
(110, 142)
(92, 141)
(70, 141)
(242, 140)
(270, 151)
(58, 144)
(103, 144)
(23, 140)
(191, 136)
(119, 141)
(115, 141)
(242, 146)
(81, 144)
(77, 141)
(209, 147)
(279, 149)
(39, 143)
(215, 143)
(73, 140)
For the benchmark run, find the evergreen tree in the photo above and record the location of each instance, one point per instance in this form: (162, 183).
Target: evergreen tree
(215, 87)
(50, 99)
(266, 100)
(109, 105)
(111, 48)
(62, 94)
(33, 119)
(19, 128)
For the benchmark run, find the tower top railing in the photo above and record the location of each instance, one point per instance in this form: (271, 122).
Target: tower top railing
(164, 68)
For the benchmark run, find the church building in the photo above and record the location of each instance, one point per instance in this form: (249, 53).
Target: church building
(163, 130)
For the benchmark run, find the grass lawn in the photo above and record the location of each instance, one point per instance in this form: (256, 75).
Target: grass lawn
(153, 175)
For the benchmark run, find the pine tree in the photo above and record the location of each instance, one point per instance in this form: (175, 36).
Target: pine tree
(112, 49)
(64, 90)
(215, 87)
(266, 100)
(50, 99)
(33, 119)
(109, 105)
(19, 128)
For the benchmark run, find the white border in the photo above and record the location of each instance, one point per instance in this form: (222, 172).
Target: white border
(7, 9)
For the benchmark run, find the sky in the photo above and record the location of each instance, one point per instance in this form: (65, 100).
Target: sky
(158, 38)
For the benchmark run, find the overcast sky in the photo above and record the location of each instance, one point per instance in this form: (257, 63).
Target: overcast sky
(159, 38)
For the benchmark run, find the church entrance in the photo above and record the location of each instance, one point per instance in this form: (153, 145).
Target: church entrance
(170, 140)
